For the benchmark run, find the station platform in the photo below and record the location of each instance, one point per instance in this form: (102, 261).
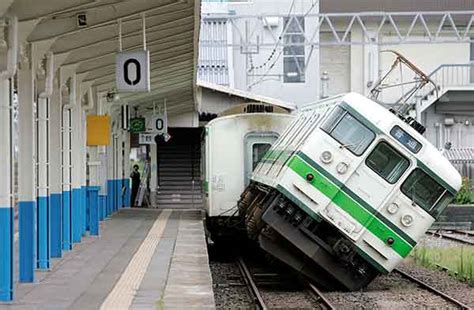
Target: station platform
(144, 259)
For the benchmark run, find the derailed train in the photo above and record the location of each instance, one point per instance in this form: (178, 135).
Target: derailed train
(343, 194)
(346, 191)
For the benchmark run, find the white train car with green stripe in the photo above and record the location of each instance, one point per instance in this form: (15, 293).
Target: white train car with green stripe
(347, 191)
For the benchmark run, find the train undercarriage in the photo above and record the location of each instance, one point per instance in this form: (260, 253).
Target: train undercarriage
(311, 246)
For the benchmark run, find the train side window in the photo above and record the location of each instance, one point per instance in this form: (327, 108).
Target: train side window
(387, 162)
(348, 131)
(423, 190)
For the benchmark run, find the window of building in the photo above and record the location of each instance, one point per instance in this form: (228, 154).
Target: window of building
(294, 50)
(387, 162)
(348, 131)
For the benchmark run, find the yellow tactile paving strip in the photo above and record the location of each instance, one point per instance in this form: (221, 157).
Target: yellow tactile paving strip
(124, 291)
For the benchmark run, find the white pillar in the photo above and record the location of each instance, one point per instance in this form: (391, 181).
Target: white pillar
(110, 173)
(153, 174)
(126, 168)
(6, 206)
(66, 164)
(55, 171)
(76, 145)
(43, 216)
(26, 174)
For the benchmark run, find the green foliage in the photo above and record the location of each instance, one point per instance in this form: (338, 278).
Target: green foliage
(458, 260)
(464, 196)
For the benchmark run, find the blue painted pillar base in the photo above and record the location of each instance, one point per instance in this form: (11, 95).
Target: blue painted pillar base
(118, 194)
(27, 240)
(76, 215)
(43, 254)
(56, 227)
(6, 257)
(93, 194)
(84, 205)
(66, 215)
(110, 197)
(102, 207)
(126, 184)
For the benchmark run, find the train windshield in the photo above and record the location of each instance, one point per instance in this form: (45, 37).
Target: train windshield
(387, 162)
(348, 131)
(423, 190)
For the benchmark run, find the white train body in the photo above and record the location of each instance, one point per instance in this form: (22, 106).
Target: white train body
(233, 146)
(350, 162)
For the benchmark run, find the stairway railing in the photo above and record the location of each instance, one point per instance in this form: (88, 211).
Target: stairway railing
(448, 75)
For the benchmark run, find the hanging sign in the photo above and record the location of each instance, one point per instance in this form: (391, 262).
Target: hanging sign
(98, 130)
(137, 124)
(146, 138)
(132, 71)
(158, 124)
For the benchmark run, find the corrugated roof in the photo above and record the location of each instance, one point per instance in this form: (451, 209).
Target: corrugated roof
(460, 155)
(172, 32)
(347, 6)
(246, 95)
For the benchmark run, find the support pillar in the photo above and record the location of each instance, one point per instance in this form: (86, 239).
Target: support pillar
(153, 174)
(55, 176)
(66, 160)
(6, 206)
(126, 174)
(43, 210)
(76, 124)
(26, 176)
(110, 175)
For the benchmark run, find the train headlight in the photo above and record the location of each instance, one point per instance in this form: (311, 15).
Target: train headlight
(392, 208)
(342, 167)
(407, 220)
(326, 157)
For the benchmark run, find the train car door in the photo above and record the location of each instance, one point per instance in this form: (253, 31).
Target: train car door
(256, 145)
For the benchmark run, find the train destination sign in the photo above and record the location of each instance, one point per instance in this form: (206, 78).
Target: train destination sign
(406, 139)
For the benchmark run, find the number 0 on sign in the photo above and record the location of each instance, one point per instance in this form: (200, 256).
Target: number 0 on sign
(132, 71)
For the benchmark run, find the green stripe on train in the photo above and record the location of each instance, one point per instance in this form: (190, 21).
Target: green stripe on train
(350, 206)
(368, 207)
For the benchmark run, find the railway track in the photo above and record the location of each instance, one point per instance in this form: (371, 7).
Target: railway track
(432, 289)
(464, 232)
(258, 298)
(453, 238)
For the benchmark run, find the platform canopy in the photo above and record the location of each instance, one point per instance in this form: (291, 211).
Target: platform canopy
(89, 44)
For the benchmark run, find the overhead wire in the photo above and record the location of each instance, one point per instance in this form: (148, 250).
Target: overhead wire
(281, 36)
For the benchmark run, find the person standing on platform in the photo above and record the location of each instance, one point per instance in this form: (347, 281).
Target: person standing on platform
(135, 176)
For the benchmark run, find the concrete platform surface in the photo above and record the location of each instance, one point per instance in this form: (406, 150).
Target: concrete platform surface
(144, 259)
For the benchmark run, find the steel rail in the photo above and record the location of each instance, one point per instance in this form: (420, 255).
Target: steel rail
(463, 232)
(321, 296)
(449, 237)
(250, 283)
(432, 289)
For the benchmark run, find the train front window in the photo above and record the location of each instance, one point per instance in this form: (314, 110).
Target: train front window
(387, 162)
(423, 190)
(348, 131)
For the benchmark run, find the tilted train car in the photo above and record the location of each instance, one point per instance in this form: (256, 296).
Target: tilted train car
(233, 145)
(347, 191)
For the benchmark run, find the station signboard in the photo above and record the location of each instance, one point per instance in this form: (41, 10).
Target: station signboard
(147, 138)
